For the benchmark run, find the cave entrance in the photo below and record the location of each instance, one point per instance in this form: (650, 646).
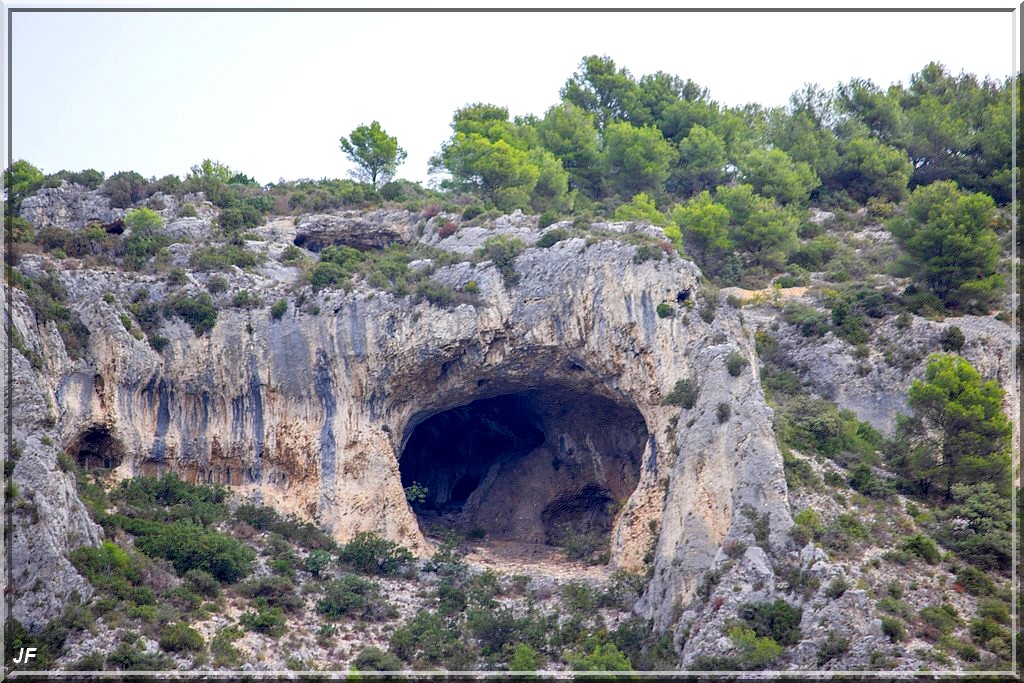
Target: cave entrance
(545, 466)
(96, 449)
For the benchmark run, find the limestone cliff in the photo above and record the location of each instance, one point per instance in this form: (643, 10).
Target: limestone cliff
(312, 412)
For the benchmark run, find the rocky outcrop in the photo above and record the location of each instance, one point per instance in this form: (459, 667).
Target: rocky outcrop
(311, 413)
(358, 229)
(49, 520)
(71, 207)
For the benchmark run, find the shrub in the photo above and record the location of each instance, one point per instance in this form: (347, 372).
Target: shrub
(938, 620)
(975, 581)
(223, 256)
(447, 230)
(524, 658)
(267, 620)
(664, 310)
(923, 547)
(833, 646)
(272, 591)
(145, 239)
(181, 637)
(187, 210)
(278, 309)
(352, 596)
(374, 659)
(894, 629)
(551, 238)
(604, 657)
(502, 250)
(124, 189)
(316, 562)
(952, 339)
(189, 546)
(216, 284)
(778, 620)
(837, 587)
(368, 553)
(723, 412)
(197, 311)
(437, 293)
(808, 320)
(202, 582)
(683, 394)
(735, 362)
(426, 638)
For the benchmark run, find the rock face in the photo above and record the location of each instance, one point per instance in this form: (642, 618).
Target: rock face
(358, 229)
(69, 206)
(317, 413)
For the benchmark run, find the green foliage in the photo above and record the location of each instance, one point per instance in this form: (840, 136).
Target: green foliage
(223, 256)
(664, 310)
(778, 620)
(833, 646)
(304, 534)
(569, 133)
(278, 309)
(894, 629)
(949, 236)
(316, 562)
(758, 226)
(374, 659)
(837, 587)
(735, 362)
(437, 293)
(603, 657)
(635, 159)
(870, 168)
(813, 425)
(772, 173)
(705, 229)
(271, 591)
(640, 209)
(181, 638)
(807, 319)
(125, 189)
(426, 639)
(551, 238)
(723, 412)
(938, 620)
(267, 620)
(684, 394)
(352, 596)
(952, 339)
(977, 526)
(21, 180)
(961, 434)
(145, 239)
(375, 153)
(524, 658)
(502, 250)
(922, 546)
(368, 553)
(197, 311)
(189, 546)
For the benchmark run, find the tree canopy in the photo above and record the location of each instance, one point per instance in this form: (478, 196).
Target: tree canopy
(375, 153)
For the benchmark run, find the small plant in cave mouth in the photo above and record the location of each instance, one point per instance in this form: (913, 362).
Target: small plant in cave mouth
(416, 493)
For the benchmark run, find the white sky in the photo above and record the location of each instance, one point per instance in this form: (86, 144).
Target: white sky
(270, 94)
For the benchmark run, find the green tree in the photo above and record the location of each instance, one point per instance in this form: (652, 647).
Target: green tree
(868, 168)
(376, 154)
(145, 238)
(948, 235)
(640, 209)
(705, 227)
(772, 173)
(635, 159)
(961, 434)
(758, 226)
(608, 92)
(568, 132)
(20, 181)
(603, 657)
(702, 159)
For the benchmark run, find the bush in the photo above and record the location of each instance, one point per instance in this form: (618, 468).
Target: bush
(278, 309)
(837, 587)
(683, 394)
(267, 620)
(181, 638)
(124, 189)
(894, 629)
(551, 238)
(272, 591)
(735, 362)
(316, 562)
(368, 553)
(375, 659)
(202, 582)
(975, 581)
(923, 547)
(777, 620)
(808, 320)
(437, 293)
(426, 638)
(952, 339)
(664, 310)
(447, 230)
(352, 596)
(502, 250)
(938, 620)
(197, 311)
(145, 238)
(605, 657)
(189, 546)
(723, 412)
(833, 646)
(216, 284)
(223, 256)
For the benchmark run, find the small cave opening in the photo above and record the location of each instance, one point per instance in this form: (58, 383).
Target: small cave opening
(96, 449)
(540, 467)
